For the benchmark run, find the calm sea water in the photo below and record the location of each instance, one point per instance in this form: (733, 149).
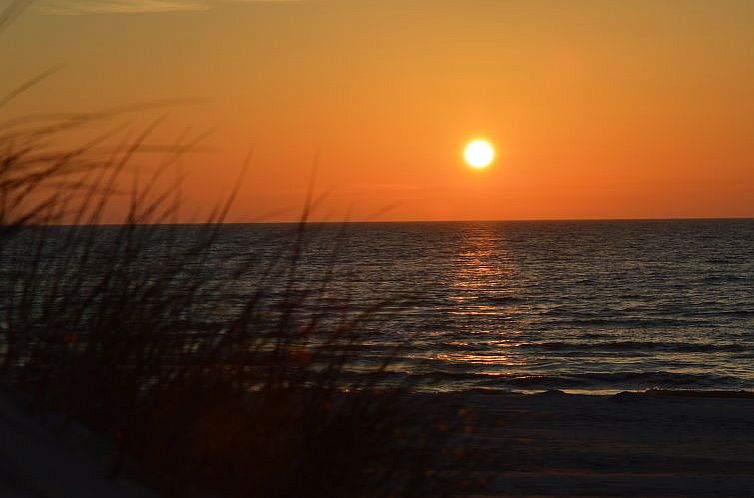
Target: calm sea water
(580, 306)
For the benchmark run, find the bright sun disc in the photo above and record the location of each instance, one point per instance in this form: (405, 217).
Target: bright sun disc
(479, 154)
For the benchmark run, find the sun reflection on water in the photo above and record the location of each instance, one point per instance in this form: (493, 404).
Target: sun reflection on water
(483, 290)
(483, 270)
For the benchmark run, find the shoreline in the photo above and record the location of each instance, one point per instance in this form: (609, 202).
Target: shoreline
(660, 392)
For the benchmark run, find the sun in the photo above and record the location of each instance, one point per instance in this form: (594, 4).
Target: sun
(479, 154)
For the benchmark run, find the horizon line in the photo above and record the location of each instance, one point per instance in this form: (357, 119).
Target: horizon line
(322, 222)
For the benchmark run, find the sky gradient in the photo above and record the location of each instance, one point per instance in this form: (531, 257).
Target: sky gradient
(598, 109)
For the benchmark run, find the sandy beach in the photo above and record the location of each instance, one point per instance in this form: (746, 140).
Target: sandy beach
(549, 444)
(45, 455)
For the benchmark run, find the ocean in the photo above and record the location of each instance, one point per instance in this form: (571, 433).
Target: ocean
(580, 306)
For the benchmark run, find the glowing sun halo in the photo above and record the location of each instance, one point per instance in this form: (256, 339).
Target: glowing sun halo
(479, 154)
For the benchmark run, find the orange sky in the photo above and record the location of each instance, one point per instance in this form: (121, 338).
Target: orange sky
(598, 109)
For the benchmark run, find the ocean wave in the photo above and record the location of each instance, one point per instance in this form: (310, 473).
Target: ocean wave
(627, 380)
(622, 322)
(653, 346)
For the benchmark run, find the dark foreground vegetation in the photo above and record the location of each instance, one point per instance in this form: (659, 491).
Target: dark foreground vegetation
(129, 332)
(204, 391)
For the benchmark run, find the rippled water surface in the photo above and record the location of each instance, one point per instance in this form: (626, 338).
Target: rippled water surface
(574, 305)
(538, 305)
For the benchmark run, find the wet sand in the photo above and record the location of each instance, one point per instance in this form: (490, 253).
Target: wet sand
(556, 444)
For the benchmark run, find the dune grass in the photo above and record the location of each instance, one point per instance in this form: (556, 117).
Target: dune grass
(243, 385)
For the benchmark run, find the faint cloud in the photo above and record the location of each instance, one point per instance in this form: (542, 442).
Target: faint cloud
(358, 187)
(83, 7)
